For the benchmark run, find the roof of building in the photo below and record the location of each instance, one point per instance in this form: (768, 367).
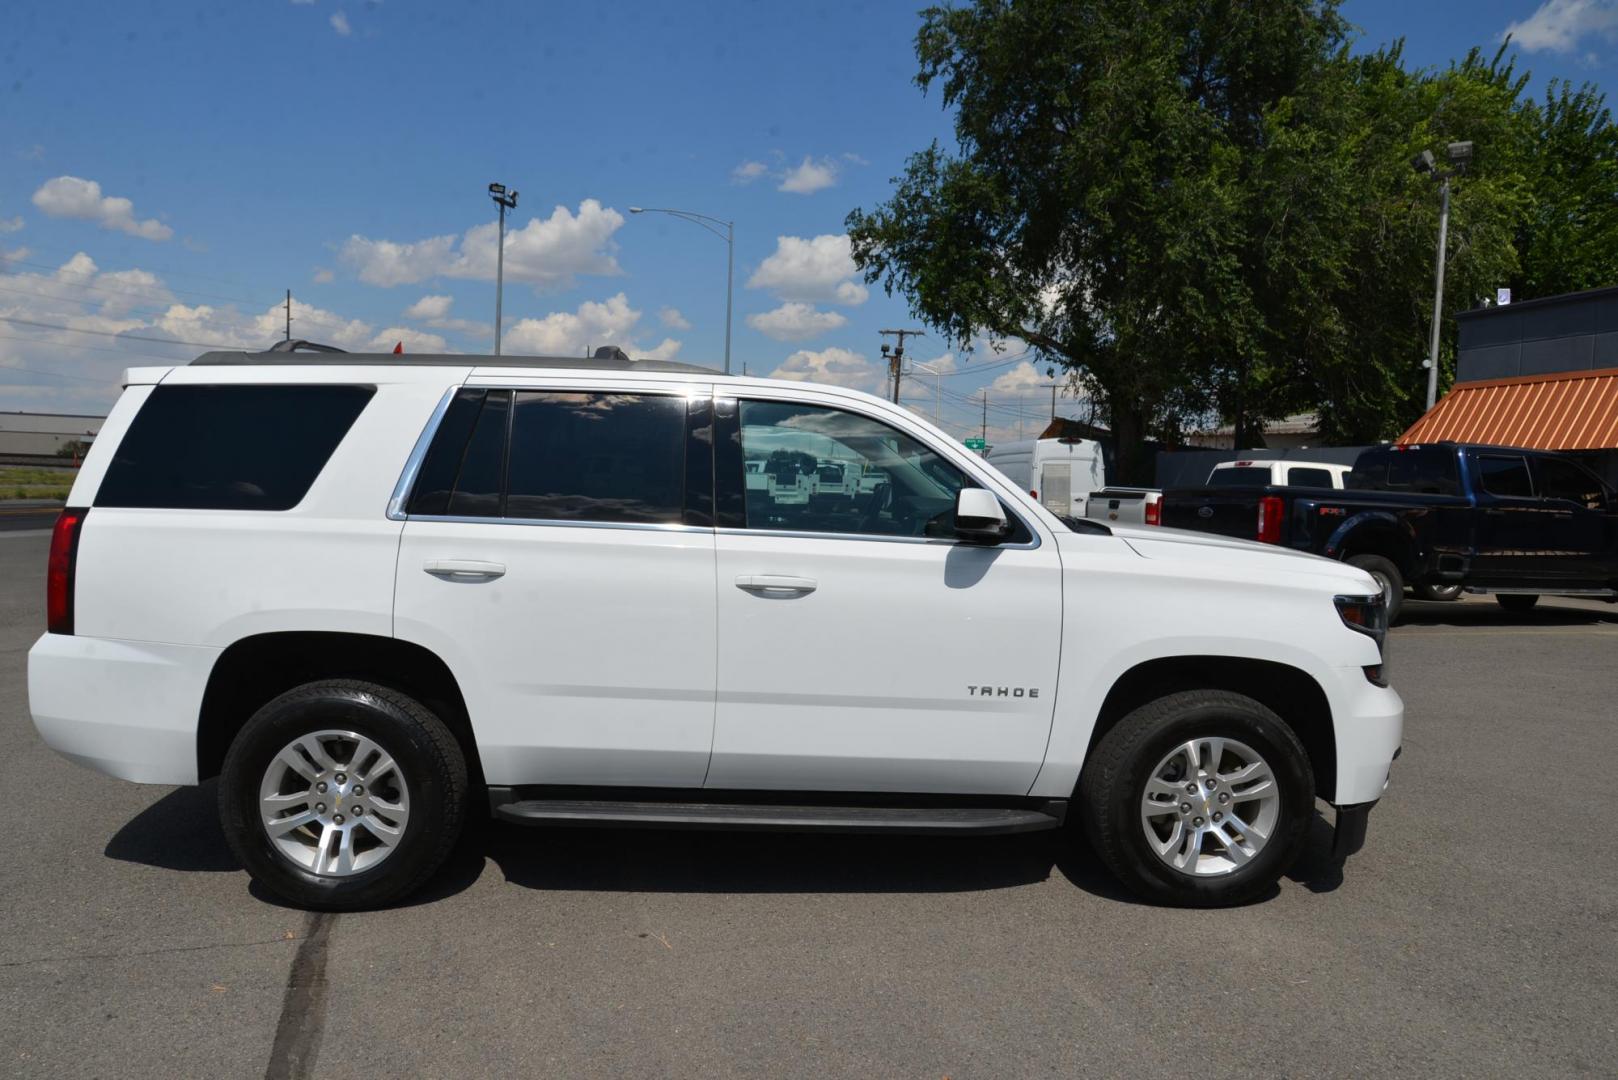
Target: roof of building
(1565, 410)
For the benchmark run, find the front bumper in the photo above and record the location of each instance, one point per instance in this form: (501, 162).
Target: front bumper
(1368, 722)
(125, 708)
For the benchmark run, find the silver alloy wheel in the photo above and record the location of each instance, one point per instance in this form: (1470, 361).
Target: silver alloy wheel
(1210, 806)
(334, 802)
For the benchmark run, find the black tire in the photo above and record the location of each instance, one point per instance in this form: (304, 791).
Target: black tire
(1387, 575)
(1517, 603)
(1114, 782)
(426, 754)
(1439, 593)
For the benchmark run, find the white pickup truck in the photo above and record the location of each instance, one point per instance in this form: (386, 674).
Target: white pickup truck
(363, 590)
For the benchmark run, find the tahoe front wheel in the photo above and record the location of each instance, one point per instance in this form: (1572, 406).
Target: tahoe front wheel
(1199, 799)
(342, 795)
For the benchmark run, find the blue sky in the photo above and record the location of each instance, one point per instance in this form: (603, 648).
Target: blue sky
(166, 171)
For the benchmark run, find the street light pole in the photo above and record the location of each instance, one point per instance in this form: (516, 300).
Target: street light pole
(506, 201)
(1460, 156)
(1438, 294)
(728, 236)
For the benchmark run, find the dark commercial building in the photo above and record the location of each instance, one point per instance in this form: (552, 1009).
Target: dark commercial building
(1539, 373)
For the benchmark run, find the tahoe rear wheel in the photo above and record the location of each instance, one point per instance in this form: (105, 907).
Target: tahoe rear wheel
(1198, 799)
(341, 795)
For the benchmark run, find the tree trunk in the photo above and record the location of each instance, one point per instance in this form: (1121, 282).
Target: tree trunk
(1129, 446)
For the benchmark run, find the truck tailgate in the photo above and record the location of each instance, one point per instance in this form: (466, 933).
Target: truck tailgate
(1227, 511)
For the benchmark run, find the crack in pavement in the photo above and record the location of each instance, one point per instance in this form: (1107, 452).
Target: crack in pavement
(303, 1008)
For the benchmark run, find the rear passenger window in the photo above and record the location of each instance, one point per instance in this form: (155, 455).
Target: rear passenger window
(478, 483)
(597, 457)
(229, 447)
(1505, 476)
(615, 458)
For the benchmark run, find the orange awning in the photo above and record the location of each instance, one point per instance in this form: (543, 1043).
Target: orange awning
(1565, 410)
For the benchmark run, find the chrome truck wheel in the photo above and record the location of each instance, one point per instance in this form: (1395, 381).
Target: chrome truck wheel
(1210, 806)
(334, 802)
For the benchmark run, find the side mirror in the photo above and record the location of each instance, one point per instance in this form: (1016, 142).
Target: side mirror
(979, 518)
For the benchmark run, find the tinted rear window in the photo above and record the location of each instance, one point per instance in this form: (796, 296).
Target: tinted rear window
(1243, 476)
(1424, 470)
(229, 447)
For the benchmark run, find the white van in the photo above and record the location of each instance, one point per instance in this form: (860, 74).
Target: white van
(1060, 473)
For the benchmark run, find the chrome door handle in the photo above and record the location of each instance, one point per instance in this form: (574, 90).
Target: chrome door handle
(776, 583)
(464, 569)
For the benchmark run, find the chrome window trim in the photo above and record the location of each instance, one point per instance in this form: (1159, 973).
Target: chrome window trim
(941, 541)
(407, 478)
(638, 526)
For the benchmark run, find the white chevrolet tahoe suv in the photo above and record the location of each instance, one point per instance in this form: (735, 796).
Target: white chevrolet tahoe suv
(365, 591)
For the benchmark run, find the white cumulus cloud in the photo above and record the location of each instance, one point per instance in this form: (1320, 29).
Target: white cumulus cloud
(816, 270)
(594, 323)
(10, 225)
(323, 276)
(672, 319)
(1024, 377)
(748, 171)
(1559, 25)
(73, 197)
(810, 176)
(546, 253)
(796, 321)
(839, 367)
(339, 23)
(429, 307)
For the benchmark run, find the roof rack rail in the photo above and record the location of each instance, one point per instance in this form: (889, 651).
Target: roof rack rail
(605, 358)
(300, 345)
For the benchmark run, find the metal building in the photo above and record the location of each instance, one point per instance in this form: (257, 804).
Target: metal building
(45, 436)
(1539, 373)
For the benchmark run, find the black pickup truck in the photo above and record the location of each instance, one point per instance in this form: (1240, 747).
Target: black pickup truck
(1434, 518)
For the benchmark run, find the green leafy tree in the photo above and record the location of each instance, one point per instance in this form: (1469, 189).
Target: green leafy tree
(1206, 208)
(1099, 205)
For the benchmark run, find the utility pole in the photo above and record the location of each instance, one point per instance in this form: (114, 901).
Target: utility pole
(289, 315)
(985, 436)
(1053, 403)
(896, 357)
(507, 202)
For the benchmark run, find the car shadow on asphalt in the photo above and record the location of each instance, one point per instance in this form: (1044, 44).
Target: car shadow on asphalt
(1546, 613)
(180, 832)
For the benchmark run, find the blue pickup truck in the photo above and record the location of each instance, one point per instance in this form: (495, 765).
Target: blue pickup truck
(1436, 518)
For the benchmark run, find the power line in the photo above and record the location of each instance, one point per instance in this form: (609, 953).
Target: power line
(121, 337)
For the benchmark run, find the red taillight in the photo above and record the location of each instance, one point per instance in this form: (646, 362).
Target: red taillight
(1269, 519)
(1154, 512)
(59, 571)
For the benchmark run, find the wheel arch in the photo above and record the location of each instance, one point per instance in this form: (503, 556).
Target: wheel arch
(1291, 693)
(1376, 533)
(256, 669)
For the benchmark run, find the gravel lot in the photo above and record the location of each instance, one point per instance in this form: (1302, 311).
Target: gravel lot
(1477, 933)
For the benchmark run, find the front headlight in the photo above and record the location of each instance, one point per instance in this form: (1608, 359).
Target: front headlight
(1368, 615)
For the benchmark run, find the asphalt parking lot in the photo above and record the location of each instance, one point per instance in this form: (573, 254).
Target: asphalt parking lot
(1476, 934)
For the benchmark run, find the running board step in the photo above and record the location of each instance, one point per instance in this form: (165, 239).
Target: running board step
(978, 820)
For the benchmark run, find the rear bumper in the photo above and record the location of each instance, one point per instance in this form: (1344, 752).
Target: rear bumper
(125, 708)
